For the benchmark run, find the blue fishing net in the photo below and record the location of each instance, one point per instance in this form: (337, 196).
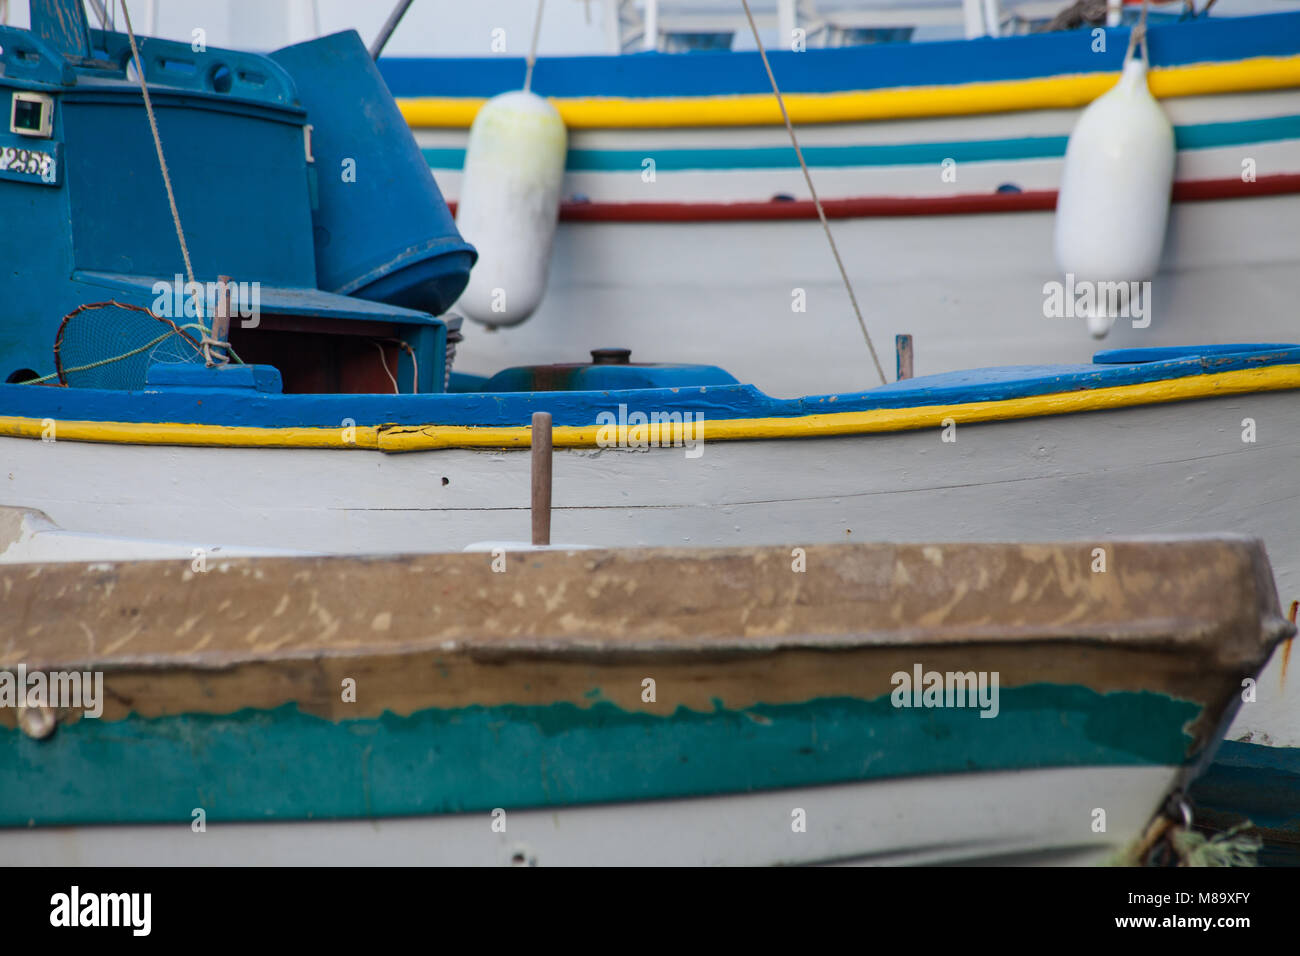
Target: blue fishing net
(112, 345)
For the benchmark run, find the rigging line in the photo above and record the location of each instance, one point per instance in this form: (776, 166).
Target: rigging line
(532, 50)
(821, 213)
(157, 142)
(385, 32)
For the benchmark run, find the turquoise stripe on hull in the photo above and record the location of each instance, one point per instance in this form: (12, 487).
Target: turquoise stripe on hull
(1201, 136)
(285, 765)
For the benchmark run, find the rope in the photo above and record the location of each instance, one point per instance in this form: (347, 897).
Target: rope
(157, 142)
(383, 359)
(171, 195)
(415, 364)
(1139, 35)
(821, 213)
(215, 349)
(532, 50)
(211, 358)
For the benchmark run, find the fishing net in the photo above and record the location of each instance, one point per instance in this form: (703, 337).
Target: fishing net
(112, 345)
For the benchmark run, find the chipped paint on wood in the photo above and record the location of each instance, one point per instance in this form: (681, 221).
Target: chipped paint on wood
(525, 687)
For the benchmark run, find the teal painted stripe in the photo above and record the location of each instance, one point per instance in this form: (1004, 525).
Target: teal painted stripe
(1202, 136)
(287, 765)
(1240, 133)
(783, 157)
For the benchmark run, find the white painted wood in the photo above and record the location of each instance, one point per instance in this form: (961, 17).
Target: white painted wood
(1033, 816)
(29, 537)
(969, 288)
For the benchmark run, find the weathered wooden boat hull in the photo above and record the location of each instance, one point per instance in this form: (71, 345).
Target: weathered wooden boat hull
(477, 692)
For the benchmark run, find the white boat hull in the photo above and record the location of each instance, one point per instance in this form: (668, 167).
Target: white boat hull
(968, 288)
(1021, 817)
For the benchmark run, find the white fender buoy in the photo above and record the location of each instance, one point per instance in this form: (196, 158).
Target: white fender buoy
(1113, 205)
(509, 204)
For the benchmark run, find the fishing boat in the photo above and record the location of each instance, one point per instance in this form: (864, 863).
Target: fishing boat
(257, 354)
(935, 134)
(876, 704)
(685, 218)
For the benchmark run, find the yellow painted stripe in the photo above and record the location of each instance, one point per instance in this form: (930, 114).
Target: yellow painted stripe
(183, 433)
(760, 109)
(401, 438)
(1274, 378)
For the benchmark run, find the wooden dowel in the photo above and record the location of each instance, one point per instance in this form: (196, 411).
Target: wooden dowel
(903, 348)
(221, 321)
(541, 440)
(220, 324)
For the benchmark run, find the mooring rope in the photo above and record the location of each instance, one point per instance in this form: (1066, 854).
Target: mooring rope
(532, 49)
(157, 142)
(208, 341)
(1139, 35)
(821, 213)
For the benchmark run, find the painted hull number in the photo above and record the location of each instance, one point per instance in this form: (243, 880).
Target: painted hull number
(28, 163)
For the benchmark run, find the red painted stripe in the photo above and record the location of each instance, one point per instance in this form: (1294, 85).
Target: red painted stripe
(885, 206)
(867, 206)
(1236, 189)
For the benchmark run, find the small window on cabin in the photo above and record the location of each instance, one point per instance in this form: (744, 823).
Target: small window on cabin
(32, 115)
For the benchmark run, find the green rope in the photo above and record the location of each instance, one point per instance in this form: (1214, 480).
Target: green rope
(1232, 847)
(1229, 848)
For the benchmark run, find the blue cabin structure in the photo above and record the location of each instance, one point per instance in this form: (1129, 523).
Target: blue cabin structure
(329, 208)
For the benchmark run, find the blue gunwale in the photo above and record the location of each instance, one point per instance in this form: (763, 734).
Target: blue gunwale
(239, 407)
(866, 67)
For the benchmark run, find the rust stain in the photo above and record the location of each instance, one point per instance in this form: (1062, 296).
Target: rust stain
(1286, 645)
